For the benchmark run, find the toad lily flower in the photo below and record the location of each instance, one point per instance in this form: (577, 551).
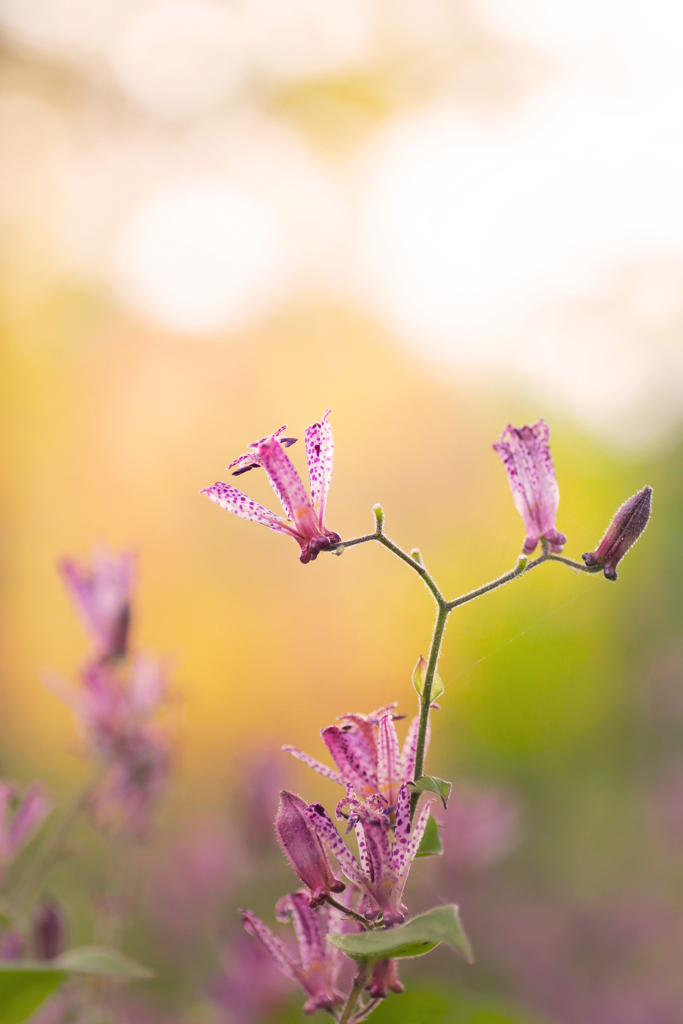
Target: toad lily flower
(383, 870)
(304, 519)
(366, 751)
(303, 849)
(531, 474)
(629, 522)
(317, 973)
(101, 595)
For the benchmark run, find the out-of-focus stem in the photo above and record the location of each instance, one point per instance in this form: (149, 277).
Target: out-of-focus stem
(358, 986)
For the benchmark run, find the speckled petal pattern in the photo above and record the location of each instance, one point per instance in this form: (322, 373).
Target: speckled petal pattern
(235, 501)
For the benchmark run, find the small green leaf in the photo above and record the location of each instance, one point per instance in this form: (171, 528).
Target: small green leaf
(107, 963)
(378, 513)
(432, 784)
(23, 987)
(423, 933)
(431, 845)
(420, 676)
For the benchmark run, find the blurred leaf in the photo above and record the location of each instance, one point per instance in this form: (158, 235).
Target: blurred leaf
(439, 1006)
(423, 933)
(432, 784)
(431, 845)
(107, 963)
(23, 987)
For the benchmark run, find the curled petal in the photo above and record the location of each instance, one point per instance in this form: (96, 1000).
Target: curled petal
(414, 844)
(319, 455)
(409, 751)
(324, 826)
(259, 930)
(284, 478)
(295, 907)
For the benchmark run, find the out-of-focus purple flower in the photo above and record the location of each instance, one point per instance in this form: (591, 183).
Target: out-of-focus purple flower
(366, 751)
(258, 800)
(47, 931)
(304, 519)
(187, 890)
(19, 818)
(385, 979)
(525, 452)
(303, 849)
(251, 986)
(319, 964)
(481, 828)
(629, 522)
(11, 945)
(383, 870)
(133, 783)
(102, 594)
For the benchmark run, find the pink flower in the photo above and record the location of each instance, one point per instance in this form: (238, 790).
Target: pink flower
(19, 819)
(529, 464)
(383, 870)
(250, 987)
(629, 522)
(304, 519)
(319, 964)
(303, 849)
(366, 751)
(101, 595)
(384, 979)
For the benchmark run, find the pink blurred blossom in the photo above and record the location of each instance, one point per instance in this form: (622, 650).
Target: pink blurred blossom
(101, 594)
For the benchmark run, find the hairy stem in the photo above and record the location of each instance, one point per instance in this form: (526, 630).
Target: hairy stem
(358, 986)
(426, 698)
(349, 913)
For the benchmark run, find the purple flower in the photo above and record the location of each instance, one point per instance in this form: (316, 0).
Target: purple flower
(303, 849)
(481, 828)
(250, 986)
(304, 519)
(47, 931)
(366, 751)
(319, 963)
(629, 522)
(101, 595)
(383, 870)
(19, 818)
(385, 979)
(529, 464)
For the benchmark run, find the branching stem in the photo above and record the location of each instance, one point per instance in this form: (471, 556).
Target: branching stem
(358, 986)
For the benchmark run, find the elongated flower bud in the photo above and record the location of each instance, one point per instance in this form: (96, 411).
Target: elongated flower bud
(47, 936)
(303, 849)
(629, 522)
(384, 979)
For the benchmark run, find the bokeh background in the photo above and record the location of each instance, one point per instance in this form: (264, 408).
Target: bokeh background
(435, 217)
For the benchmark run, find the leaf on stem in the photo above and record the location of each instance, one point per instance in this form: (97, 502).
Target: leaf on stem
(420, 676)
(414, 938)
(432, 784)
(431, 845)
(25, 984)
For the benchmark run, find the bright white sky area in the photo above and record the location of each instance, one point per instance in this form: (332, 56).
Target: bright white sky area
(539, 231)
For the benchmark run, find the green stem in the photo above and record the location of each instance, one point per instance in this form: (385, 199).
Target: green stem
(349, 913)
(365, 1011)
(426, 697)
(358, 986)
(46, 856)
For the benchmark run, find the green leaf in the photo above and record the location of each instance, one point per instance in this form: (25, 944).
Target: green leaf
(23, 987)
(419, 677)
(107, 963)
(432, 784)
(25, 984)
(431, 845)
(415, 937)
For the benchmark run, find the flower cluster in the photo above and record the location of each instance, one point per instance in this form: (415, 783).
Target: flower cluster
(376, 775)
(117, 697)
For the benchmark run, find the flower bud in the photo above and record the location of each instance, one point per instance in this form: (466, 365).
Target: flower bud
(626, 527)
(384, 979)
(303, 849)
(47, 932)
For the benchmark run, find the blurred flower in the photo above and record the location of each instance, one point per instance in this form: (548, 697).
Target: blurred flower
(258, 796)
(133, 783)
(305, 517)
(47, 931)
(366, 751)
(303, 849)
(19, 818)
(101, 595)
(317, 973)
(531, 474)
(629, 522)
(383, 869)
(251, 986)
(481, 828)
(384, 979)
(11, 945)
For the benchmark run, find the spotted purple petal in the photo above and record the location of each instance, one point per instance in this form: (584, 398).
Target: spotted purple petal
(388, 760)
(319, 455)
(324, 825)
(235, 501)
(259, 930)
(317, 766)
